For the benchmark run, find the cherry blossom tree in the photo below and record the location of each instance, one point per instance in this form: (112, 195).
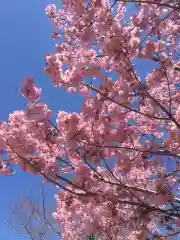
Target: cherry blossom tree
(116, 162)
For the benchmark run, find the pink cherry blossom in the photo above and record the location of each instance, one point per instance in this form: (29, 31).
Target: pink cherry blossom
(30, 91)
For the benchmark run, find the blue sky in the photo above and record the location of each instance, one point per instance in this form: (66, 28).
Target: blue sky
(25, 39)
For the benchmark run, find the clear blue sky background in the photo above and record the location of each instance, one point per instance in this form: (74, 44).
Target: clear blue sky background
(24, 41)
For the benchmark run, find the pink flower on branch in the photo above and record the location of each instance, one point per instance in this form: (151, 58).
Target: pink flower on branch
(30, 91)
